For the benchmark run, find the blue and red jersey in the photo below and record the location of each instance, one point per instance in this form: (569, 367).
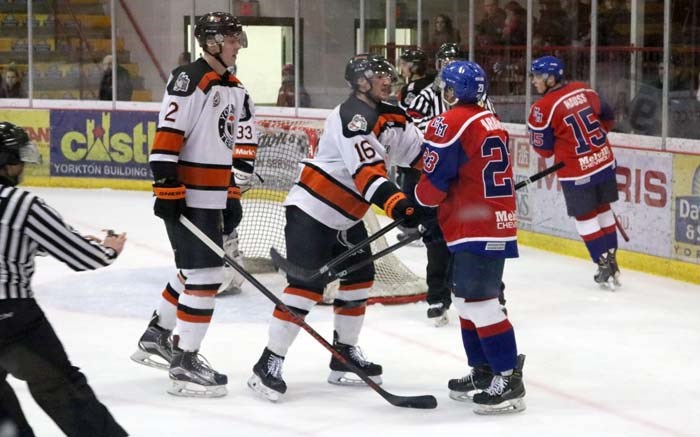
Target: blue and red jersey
(572, 123)
(467, 174)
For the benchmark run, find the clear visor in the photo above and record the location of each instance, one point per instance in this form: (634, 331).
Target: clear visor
(241, 37)
(29, 153)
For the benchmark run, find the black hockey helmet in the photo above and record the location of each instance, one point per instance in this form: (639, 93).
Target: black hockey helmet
(418, 58)
(447, 53)
(15, 146)
(215, 26)
(367, 65)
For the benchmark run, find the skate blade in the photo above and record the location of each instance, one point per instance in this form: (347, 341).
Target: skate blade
(147, 359)
(505, 407)
(441, 320)
(463, 396)
(609, 285)
(342, 377)
(229, 291)
(191, 390)
(255, 384)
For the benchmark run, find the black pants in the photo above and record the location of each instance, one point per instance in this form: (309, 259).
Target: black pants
(31, 351)
(437, 271)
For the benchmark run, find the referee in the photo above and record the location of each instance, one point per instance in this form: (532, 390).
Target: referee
(29, 347)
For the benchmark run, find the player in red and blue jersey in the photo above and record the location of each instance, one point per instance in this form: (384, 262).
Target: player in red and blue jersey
(571, 122)
(467, 175)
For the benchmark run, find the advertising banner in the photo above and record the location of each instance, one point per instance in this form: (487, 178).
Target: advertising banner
(36, 123)
(686, 208)
(101, 144)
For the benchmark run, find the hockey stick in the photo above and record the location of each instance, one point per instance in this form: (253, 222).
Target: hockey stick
(621, 229)
(422, 402)
(537, 176)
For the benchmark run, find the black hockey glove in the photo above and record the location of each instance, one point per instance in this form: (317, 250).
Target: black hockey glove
(233, 212)
(170, 200)
(400, 207)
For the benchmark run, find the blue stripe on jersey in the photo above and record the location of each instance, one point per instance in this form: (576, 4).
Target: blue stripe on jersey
(496, 249)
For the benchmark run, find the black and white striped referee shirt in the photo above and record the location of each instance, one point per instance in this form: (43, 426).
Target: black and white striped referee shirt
(425, 106)
(28, 227)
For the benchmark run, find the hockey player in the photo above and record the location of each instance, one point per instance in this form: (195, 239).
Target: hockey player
(201, 157)
(571, 122)
(413, 64)
(29, 348)
(324, 213)
(468, 176)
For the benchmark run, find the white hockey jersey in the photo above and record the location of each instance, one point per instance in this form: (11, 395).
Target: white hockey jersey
(336, 185)
(206, 130)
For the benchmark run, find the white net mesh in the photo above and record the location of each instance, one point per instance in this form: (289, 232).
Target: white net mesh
(282, 144)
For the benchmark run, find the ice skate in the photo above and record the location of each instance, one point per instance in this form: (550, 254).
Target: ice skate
(267, 376)
(604, 276)
(192, 376)
(155, 346)
(341, 375)
(504, 395)
(612, 256)
(437, 313)
(463, 389)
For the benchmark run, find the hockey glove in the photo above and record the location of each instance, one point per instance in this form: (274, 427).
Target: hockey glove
(170, 200)
(233, 212)
(244, 180)
(399, 206)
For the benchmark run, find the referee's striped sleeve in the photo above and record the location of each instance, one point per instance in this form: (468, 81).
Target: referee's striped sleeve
(52, 234)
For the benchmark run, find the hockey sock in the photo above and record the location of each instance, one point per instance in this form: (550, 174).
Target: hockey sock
(196, 306)
(593, 236)
(495, 332)
(606, 218)
(167, 309)
(349, 309)
(283, 330)
(470, 338)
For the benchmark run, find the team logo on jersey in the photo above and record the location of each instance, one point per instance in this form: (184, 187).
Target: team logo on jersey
(217, 99)
(538, 114)
(358, 123)
(439, 126)
(182, 82)
(227, 126)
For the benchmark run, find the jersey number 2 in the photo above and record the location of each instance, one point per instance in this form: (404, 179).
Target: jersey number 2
(496, 166)
(585, 130)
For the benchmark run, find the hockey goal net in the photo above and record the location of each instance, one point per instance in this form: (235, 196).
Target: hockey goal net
(282, 144)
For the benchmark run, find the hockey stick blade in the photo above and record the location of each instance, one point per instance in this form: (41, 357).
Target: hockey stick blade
(420, 402)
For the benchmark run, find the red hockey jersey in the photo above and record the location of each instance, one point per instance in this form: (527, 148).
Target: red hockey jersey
(572, 123)
(468, 176)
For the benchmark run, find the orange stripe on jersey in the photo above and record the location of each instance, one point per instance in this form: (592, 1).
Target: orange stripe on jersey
(385, 118)
(332, 193)
(200, 293)
(358, 286)
(306, 294)
(368, 174)
(234, 193)
(354, 311)
(207, 79)
(193, 318)
(245, 152)
(283, 315)
(203, 176)
(167, 142)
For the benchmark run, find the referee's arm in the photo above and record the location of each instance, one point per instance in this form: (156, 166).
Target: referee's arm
(53, 235)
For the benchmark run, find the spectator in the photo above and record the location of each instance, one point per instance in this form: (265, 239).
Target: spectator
(551, 23)
(11, 86)
(124, 86)
(612, 19)
(184, 58)
(490, 28)
(515, 25)
(443, 31)
(285, 96)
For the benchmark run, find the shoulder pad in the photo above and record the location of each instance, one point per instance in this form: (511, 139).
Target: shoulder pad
(186, 78)
(356, 117)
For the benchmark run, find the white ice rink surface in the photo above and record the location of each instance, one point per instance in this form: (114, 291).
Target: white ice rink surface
(598, 363)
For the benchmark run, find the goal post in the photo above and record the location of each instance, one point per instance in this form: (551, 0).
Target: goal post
(282, 144)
